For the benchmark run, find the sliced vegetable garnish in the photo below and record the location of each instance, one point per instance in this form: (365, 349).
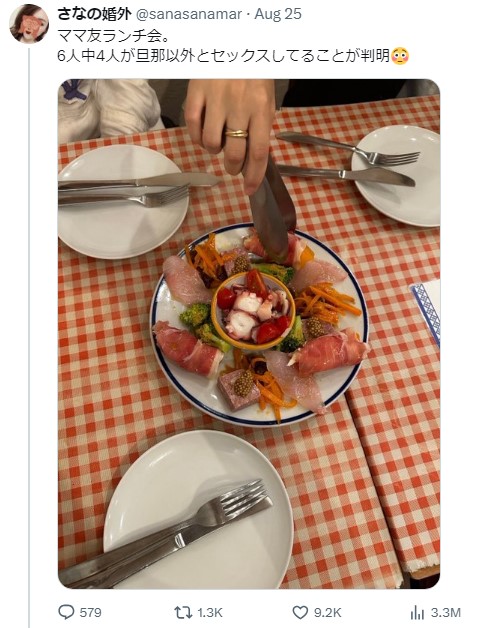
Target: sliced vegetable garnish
(325, 302)
(256, 284)
(208, 260)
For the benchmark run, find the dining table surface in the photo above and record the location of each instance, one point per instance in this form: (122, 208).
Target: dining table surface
(362, 479)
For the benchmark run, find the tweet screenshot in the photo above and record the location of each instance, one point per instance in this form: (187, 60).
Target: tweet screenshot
(232, 223)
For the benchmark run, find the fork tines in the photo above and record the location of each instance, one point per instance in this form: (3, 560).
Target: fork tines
(240, 500)
(244, 488)
(173, 193)
(398, 160)
(154, 199)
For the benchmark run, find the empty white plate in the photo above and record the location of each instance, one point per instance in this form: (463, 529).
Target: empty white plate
(419, 206)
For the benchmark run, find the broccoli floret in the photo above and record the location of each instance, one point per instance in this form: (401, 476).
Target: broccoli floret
(208, 334)
(195, 315)
(294, 339)
(282, 273)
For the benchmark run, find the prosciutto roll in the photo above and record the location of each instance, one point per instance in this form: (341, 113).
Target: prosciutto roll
(329, 352)
(297, 254)
(181, 347)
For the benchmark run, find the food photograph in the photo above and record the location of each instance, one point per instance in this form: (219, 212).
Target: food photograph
(249, 334)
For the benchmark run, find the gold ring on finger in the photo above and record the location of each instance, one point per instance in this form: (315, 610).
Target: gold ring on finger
(236, 133)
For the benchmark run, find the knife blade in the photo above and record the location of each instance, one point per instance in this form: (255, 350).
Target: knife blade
(273, 213)
(125, 561)
(376, 175)
(282, 196)
(193, 179)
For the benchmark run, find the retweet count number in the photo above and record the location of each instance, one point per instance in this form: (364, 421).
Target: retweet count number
(210, 612)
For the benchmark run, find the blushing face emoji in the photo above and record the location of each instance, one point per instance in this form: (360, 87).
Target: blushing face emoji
(400, 56)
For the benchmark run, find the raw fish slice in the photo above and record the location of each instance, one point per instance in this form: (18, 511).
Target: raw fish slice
(329, 352)
(184, 282)
(304, 389)
(181, 347)
(316, 271)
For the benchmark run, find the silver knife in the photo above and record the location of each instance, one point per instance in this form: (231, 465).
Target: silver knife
(273, 213)
(281, 194)
(123, 562)
(377, 175)
(193, 179)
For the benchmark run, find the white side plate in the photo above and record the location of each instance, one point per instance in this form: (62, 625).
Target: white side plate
(419, 206)
(118, 229)
(170, 481)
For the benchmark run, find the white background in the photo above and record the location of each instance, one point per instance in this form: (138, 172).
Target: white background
(446, 45)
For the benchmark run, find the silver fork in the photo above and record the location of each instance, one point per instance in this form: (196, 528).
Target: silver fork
(223, 508)
(149, 199)
(374, 159)
(107, 569)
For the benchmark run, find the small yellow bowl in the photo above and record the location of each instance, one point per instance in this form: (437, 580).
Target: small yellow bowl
(216, 313)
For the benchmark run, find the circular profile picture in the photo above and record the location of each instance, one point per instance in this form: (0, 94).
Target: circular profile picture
(29, 23)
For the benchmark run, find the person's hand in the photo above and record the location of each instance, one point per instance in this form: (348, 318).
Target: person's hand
(214, 106)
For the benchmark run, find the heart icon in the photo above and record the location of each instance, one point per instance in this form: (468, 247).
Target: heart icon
(300, 611)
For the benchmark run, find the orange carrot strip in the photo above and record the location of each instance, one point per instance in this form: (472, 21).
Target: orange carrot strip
(311, 303)
(328, 287)
(327, 317)
(277, 414)
(209, 264)
(337, 301)
(276, 400)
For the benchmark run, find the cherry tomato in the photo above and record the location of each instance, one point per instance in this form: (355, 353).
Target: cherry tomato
(256, 284)
(225, 298)
(266, 332)
(282, 322)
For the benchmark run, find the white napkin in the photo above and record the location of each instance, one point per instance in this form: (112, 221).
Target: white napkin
(427, 296)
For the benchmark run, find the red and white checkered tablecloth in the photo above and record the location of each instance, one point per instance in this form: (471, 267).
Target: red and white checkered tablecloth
(363, 479)
(395, 400)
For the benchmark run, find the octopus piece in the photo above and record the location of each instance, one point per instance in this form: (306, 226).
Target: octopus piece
(247, 302)
(265, 311)
(280, 303)
(239, 324)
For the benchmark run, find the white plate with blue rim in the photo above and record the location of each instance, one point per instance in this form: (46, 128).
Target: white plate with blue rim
(170, 482)
(203, 393)
(118, 229)
(421, 205)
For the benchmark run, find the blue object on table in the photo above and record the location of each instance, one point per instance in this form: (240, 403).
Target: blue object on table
(428, 308)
